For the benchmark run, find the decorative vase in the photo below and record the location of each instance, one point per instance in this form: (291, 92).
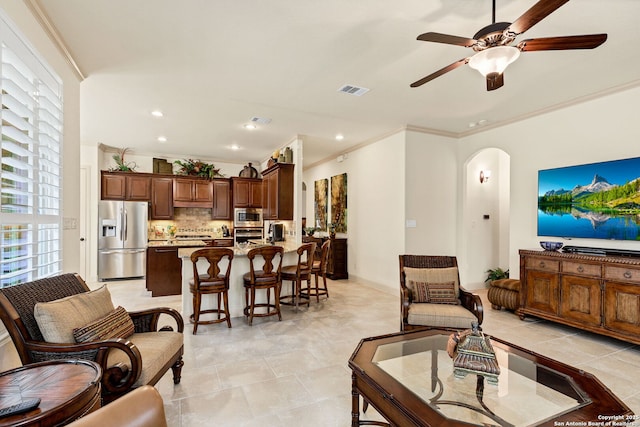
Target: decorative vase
(288, 155)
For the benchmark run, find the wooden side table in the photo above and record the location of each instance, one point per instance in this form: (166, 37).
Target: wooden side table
(68, 389)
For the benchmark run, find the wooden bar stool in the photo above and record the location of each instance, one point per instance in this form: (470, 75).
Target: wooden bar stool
(298, 273)
(319, 269)
(268, 277)
(213, 282)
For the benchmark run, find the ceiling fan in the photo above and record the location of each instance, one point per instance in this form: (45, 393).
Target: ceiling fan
(493, 48)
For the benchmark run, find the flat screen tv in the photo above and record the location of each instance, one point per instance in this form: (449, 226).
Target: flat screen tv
(593, 201)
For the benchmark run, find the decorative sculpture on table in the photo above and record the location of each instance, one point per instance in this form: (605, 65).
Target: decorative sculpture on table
(472, 352)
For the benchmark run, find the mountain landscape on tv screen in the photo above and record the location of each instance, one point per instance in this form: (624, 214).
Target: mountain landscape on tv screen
(598, 209)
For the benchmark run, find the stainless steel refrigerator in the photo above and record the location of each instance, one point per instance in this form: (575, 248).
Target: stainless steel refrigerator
(122, 240)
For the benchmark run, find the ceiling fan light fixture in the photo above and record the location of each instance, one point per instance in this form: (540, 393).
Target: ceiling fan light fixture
(494, 60)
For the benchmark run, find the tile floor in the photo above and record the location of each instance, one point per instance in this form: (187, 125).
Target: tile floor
(295, 372)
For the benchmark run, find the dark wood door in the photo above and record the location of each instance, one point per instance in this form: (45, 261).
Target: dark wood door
(164, 271)
(221, 199)
(112, 186)
(162, 198)
(255, 194)
(241, 193)
(202, 192)
(581, 299)
(138, 188)
(182, 188)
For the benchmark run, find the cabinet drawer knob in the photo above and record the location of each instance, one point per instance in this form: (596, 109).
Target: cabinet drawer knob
(627, 274)
(580, 269)
(542, 264)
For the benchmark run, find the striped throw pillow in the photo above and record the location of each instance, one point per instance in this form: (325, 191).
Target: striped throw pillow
(116, 324)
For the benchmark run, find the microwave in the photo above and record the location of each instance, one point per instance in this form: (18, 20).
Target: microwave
(247, 217)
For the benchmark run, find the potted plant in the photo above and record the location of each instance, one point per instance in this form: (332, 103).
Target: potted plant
(496, 274)
(121, 165)
(197, 168)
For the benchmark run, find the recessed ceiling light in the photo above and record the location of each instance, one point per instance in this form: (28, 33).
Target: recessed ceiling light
(234, 147)
(157, 113)
(249, 126)
(162, 139)
(339, 137)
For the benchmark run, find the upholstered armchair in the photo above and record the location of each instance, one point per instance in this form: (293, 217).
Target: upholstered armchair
(60, 318)
(431, 295)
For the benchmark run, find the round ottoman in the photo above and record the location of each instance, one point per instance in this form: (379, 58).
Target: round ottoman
(504, 293)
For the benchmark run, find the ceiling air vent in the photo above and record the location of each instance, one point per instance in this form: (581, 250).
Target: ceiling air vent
(260, 120)
(353, 90)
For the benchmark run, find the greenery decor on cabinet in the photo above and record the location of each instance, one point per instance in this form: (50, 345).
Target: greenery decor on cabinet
(121, 165)
(198, 168)
(496, 274)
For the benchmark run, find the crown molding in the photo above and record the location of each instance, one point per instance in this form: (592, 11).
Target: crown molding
(51, 31)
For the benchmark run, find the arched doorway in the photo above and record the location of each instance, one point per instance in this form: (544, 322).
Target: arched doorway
(486, 200)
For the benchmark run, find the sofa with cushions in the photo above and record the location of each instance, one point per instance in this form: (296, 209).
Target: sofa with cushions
(60, 318)
(431, 295)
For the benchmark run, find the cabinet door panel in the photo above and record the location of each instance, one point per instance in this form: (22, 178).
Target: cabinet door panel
(542, 291)
(138, 188)
(241, 194)
(255, 191)
(221, 200)
(622, 307)
(581, 299)
(112, 187)
(182, 190)
(202, 191)
(162, 198)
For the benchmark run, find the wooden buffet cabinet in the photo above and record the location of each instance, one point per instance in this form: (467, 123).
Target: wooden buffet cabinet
(599, 294)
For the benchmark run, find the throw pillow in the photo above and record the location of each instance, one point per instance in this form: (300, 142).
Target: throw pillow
(442, 293)
(435, 293)
(57, 319)
(117, 324)
(420, 292)
(431, 275)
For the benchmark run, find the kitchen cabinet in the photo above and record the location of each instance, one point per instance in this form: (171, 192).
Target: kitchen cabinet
(277, 188)
(247, 192)
(162, 198)
(192, 193)
(164, 271)
(125, 186)
(600, 294)
(221, 199)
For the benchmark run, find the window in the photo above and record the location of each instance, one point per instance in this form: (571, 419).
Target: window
(31, 131)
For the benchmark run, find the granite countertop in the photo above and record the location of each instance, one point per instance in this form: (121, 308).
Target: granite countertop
(176, 243)
(289, 246)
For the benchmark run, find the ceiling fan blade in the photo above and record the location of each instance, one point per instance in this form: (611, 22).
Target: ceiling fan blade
(447, 39)
(589, 41)
(495, 81)
(535, 14)
(440, 72)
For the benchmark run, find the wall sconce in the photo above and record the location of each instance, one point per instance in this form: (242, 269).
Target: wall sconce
(484, 176)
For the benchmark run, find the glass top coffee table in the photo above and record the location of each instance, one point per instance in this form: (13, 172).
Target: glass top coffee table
(409, 379)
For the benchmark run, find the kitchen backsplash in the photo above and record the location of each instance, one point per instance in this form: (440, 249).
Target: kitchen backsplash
(188, 220)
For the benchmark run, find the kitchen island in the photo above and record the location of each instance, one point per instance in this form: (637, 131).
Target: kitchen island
(239, 267)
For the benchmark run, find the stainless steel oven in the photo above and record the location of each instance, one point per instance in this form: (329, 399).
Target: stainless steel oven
(247, 218)
(241, 235)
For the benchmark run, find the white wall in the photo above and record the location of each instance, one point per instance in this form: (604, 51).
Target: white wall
(375, 204)
(595, 131)
(430, 186)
